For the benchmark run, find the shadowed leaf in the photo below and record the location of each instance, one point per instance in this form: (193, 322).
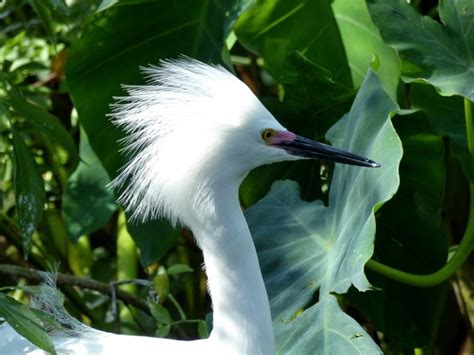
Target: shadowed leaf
(87, 202)
(446, 116)
(44, 122)
(29, 190)
(411, 241)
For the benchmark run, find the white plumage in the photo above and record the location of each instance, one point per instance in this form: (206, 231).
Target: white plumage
(179, 128)
(193, 134)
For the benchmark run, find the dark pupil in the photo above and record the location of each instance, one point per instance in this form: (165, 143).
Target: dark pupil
(268, 134)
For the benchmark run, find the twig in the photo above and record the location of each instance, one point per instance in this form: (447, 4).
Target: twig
(82, 282)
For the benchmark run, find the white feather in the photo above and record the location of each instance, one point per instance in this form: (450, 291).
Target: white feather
(173, 124)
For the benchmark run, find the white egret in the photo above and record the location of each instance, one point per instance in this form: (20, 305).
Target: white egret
(193, 134)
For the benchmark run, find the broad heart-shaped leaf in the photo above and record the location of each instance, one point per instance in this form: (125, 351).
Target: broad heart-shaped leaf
(29, 190)
(364, 46)
(276, 28)
(26, 323)
(305, 246)
(87, 202)
(116, 42)
(441, 54)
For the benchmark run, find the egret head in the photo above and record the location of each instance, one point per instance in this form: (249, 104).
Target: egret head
(195, 128)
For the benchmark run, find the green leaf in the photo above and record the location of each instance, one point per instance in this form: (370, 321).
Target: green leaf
(179, 269)
(203, 332)
(441, 54)
(105, 4)
(44, 122)
(446, 116)
(48, 320)
(311, 88)
(324, 329)
(153, 238)
(312, 103)
(44, 14)
(25, 322)
(413, 242)
(364, 46)
(116, 42)
(161, 284)
(29, 190)
(160, 313)
(302, 49)
(275, 29)
(87, 202)
(306, 246)
(163, 331)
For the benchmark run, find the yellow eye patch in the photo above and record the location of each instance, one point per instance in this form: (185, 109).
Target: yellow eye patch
(268, 133)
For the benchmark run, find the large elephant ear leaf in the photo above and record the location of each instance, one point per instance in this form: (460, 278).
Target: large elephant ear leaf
(439, 53)
(304, 247)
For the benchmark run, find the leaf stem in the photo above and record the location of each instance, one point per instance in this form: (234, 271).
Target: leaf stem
(178, 307)
(465, 247)
(469, 131)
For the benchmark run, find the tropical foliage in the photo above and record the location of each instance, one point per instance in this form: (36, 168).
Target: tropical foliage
(354, 260)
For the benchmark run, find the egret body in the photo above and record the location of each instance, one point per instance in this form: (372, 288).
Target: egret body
(192, 135)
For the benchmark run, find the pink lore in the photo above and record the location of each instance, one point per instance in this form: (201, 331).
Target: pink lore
(283, 136)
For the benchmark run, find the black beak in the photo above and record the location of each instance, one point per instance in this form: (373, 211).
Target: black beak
(310, 149)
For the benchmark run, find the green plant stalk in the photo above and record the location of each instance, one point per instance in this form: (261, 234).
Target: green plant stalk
(469, 131)
(465, 247)
(178, 307)
(127, 262)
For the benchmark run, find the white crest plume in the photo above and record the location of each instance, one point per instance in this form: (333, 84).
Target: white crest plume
(171, 125)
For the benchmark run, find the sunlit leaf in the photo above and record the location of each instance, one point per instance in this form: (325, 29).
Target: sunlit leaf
(305, 246)
(274, 29)
(364, 46)
(440, 53)
(105, 4)
(29, 190)
(324, 329)
(26, 323)
(179, 269)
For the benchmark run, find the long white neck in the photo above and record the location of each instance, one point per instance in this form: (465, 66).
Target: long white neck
(241, 319)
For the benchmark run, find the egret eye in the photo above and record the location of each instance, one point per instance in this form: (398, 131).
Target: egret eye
(267, 134)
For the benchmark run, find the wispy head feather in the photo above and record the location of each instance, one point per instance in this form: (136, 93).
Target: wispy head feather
(172, 125)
